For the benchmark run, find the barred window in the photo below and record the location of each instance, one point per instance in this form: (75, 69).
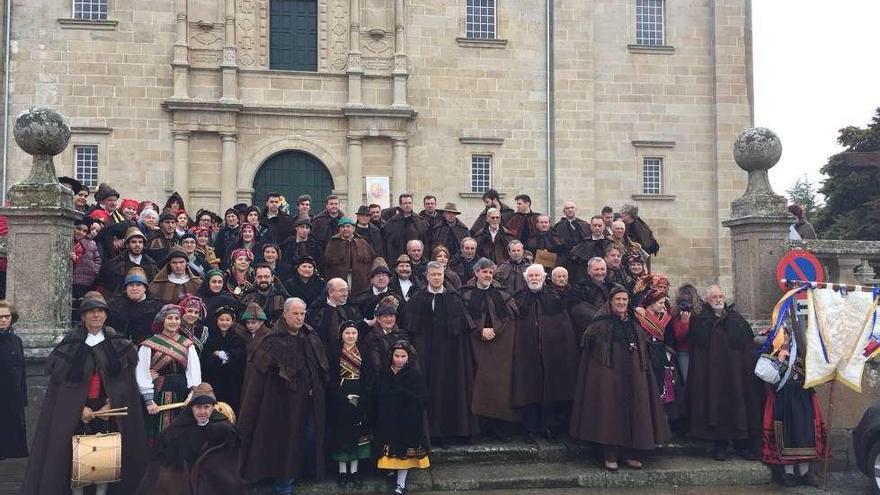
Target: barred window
(649, 22)
(652, 175)
(90, 10)
(86, 157)
(481, 173)
(480, 19)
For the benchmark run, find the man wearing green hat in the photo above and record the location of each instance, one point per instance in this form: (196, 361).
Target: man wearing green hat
(131, 313)
(349, 256)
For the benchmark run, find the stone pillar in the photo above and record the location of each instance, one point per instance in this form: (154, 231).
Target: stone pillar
(758, 226)
(398, 167)
(400, 72)
(40, 216)
(228, 169)
(355, 173)
(355, 65)
(180, 64)
(230, 63)
(181, 164)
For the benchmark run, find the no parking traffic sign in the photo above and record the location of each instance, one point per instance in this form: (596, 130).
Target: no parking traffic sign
(798, 264)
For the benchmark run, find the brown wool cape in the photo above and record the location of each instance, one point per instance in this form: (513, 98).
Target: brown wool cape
(48, 470)
(493, 382)
(286, 383)
(615, 399)
(725, 399)
(545, 351)
(443, 338)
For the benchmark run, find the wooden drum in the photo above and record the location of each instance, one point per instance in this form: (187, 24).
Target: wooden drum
(96, 459)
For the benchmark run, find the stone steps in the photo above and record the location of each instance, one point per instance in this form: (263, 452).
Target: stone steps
(659, 471)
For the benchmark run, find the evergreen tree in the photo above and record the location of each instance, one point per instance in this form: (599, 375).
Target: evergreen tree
(803, 192)
(852, 193)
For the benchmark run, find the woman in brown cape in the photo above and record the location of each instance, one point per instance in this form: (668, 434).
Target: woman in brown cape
(616, 403)
(92, 368)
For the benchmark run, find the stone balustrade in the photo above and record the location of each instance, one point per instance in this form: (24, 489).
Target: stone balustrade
(847, 262)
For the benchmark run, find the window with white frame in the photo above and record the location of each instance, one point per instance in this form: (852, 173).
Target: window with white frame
(652, 175)
(481, 173)
(86, 161)
(649, 22)
(480, 19)
(90, 10)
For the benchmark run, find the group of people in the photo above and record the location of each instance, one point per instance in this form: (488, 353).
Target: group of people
(329, 338)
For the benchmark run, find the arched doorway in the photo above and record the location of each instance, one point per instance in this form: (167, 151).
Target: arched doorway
(292, 173)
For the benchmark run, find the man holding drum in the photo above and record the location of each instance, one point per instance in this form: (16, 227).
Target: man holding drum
(93, 398)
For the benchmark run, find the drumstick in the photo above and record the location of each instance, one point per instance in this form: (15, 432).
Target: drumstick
(166, 407)
(107, 414)
(118, 409)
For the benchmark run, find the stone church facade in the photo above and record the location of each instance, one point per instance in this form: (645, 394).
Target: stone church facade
(217, 99)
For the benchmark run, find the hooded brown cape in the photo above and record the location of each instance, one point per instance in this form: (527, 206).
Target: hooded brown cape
(355, 256)
(286, 382)
(69, 367)
(545, 352)
(725, 399)
(493, 382)
(195, 460)
(616, 400)
(442, 336)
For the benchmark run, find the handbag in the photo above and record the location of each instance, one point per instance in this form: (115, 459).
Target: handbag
(770, 369)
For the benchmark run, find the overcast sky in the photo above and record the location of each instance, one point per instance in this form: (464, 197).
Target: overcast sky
(816, 71)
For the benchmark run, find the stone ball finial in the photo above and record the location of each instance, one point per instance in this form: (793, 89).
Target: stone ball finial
(757, 149)
(42, 131)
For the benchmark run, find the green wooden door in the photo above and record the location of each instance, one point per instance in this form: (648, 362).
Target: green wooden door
(292, 173)
(293, 35)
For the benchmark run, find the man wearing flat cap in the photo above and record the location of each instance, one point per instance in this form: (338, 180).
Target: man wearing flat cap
(449, 231)
(197, 453)
(366, 229)
(301, 244)
(349, 256)
(112, 275)
(380, 280)
(175, 280)
(90, 371)
(131, 313)
(165, 239)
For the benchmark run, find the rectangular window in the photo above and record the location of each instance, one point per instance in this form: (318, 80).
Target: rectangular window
(90, 10)
(480, 19)
(652, 175)
(481, 173)
(293, 35)
(86, 157)
(649, 22)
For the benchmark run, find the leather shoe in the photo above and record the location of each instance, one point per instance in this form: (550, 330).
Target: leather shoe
(789, 480)
(720, 454)
(810, 479)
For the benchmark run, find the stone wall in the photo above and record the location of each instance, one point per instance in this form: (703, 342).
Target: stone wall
(168, 75)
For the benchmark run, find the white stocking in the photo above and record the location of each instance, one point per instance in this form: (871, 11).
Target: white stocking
(789, 469)
(354, 466)
(803, 468)
(401, 477)
(342, 467)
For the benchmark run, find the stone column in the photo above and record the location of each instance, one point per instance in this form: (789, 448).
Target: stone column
(230, 63)
(228, 169)
(40, 215)
(400, 72)
(355, 173)
(180, 64)
(398, 167)
(180, 174)
(355, 65)
(758, 226)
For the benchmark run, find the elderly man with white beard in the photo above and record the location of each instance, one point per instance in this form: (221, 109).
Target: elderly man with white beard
(544, 356)
(724, 397)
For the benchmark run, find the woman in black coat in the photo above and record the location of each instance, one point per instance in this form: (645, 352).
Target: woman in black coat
(13, 388)
(349, 403)
(399, 437)
(223, 358)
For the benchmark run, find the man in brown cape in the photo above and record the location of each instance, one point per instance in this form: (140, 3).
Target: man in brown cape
(725, 399)
(494, 317)
(283, 403)
(544, 356)
(349, 256)
(441, 330)
(92, 369)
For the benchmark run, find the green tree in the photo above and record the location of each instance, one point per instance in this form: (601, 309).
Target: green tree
(803, 192)
(852, 192)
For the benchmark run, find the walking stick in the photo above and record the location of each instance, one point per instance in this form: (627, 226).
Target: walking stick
(827, 460)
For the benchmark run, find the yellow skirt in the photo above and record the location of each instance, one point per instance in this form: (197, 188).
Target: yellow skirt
(386, 462)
